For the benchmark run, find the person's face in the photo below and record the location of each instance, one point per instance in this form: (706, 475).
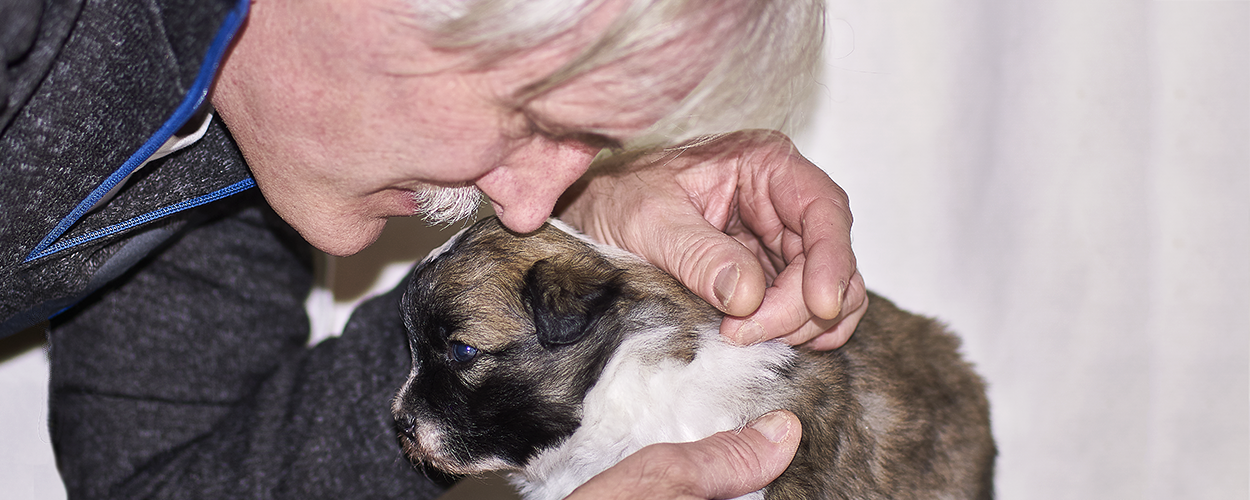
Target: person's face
(344, 113)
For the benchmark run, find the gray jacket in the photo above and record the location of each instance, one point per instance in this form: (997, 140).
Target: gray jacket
(90, 90)
(187, 373)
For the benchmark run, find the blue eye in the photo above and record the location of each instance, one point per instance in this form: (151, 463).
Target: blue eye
(463, 353)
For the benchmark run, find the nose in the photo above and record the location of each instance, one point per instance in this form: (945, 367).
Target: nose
(407, 424)
(524, 188)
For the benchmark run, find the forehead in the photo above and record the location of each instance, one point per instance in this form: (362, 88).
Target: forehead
(489, 251)
(572, 84)
(474, 286)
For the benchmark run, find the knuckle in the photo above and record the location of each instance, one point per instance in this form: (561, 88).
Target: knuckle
(670, 467)
(736, 462)
(723, 462)
(694, 254)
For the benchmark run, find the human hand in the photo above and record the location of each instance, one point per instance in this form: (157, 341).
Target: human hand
(745, 222)
(725, 465)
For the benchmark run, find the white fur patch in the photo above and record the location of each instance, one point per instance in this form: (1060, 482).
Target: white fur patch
(643, 398)
(608, 251)
(444, 247)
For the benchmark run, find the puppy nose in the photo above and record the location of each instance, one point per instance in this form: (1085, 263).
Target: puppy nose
(407, 424)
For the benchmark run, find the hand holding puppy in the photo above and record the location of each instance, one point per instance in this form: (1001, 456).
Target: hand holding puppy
(724, 465)
(576, 359)
(745, 222)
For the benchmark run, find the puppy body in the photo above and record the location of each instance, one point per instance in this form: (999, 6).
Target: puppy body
(553, 357)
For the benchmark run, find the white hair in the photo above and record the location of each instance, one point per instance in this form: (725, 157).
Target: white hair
(764, 74)
(446, 205)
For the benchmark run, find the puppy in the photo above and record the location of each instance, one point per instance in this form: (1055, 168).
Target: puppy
(554, 357)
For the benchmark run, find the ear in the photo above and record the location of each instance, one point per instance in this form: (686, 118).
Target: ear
(568, 295)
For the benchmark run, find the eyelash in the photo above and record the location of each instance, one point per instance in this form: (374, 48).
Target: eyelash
(598, 141)
(588, 138)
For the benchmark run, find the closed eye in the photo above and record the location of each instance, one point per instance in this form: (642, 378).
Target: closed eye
(598, 141)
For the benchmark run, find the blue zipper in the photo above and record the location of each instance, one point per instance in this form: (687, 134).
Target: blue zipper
(190, 103)
(242, 185)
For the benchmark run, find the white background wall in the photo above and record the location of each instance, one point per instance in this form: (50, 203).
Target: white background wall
(1065, 182)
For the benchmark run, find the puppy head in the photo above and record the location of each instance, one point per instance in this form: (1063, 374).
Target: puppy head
(508, 333)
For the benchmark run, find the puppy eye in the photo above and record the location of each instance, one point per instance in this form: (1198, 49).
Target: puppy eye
(462, 353)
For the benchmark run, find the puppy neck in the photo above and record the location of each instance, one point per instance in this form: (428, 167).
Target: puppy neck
(647, 395)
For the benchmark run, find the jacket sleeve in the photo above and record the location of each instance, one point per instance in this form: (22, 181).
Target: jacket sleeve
(19, 23)
(190, 378)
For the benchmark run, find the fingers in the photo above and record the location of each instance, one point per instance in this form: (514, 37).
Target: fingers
(826, 231)
(785, 314)
(724, 465)
(715, 266)
(782, 312)
(854, 305)
(816, 215)
(724, 224)
(819, 294)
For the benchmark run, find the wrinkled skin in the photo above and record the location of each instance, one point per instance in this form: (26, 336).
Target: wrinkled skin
(745, 206)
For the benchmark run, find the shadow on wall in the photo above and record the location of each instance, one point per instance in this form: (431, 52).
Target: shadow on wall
(22, 342)
(489, 487)
(405, 240)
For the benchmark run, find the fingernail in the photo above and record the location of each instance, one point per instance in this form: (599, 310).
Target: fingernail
(837, 306)
(749, 333)
(773, 425)
(726, 283)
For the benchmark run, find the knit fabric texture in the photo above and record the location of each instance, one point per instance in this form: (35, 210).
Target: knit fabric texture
(189, 377)
(100, 78)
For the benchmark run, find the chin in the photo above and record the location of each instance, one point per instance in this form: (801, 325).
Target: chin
(344, 240)
(552, 357)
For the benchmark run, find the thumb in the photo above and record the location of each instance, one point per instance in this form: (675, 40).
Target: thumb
(744, 461)
(724, 465)
(712, 264)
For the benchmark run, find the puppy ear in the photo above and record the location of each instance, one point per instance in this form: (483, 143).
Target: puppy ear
(567, 295)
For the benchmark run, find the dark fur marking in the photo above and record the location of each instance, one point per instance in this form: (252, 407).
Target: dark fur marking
(566, 297)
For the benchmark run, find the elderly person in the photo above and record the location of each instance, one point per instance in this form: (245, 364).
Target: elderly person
(132, 132)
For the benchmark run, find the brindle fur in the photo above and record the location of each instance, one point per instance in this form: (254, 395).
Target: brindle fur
(893, 414)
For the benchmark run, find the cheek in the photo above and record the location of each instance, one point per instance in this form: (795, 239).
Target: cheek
(447, 138)
(334, 223)
(447, 157)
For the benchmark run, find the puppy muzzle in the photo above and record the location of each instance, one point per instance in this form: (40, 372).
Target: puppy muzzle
(424, 445)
